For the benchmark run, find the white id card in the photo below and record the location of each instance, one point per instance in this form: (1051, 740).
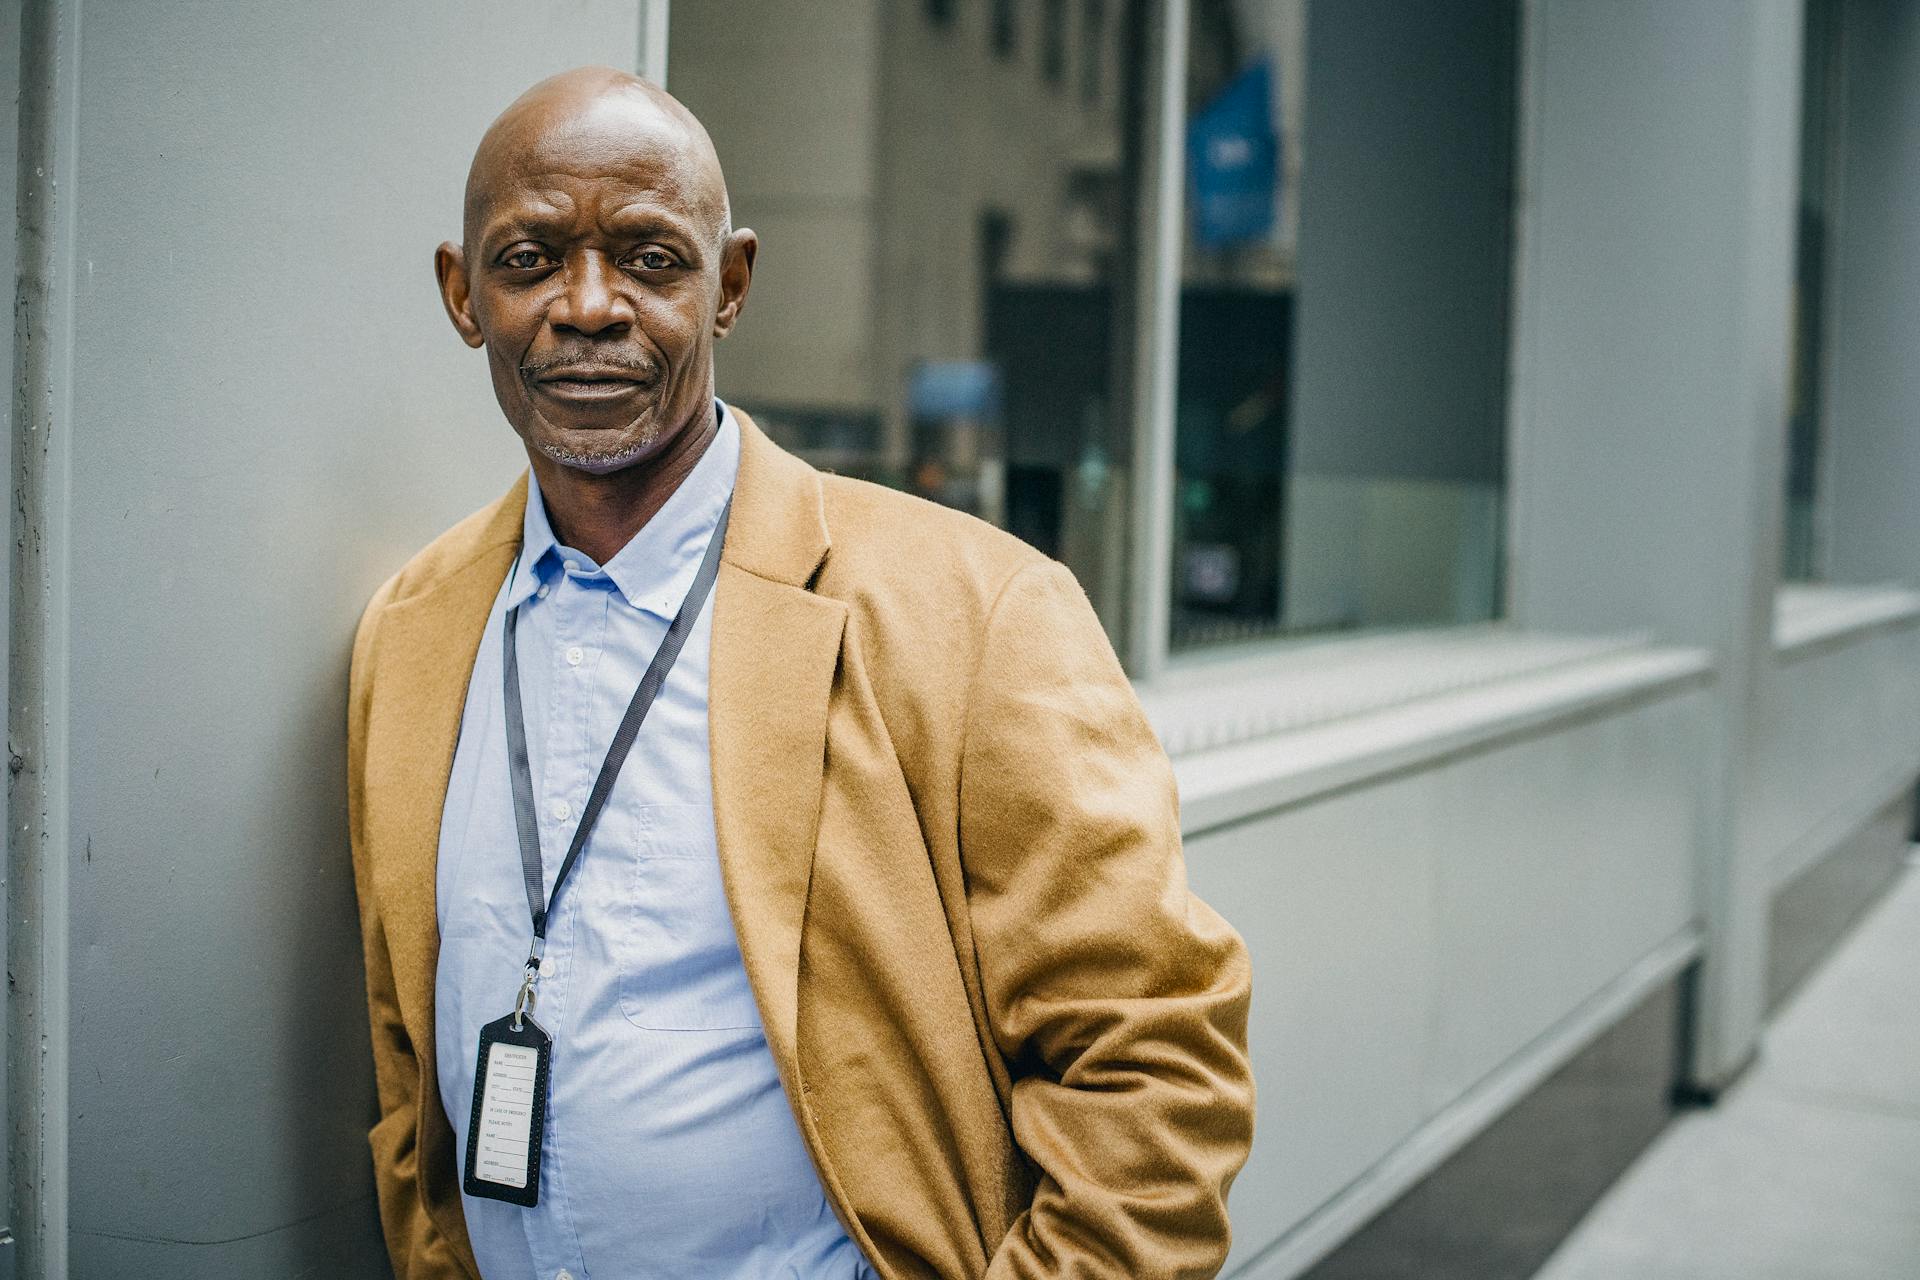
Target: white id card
(509, 1112)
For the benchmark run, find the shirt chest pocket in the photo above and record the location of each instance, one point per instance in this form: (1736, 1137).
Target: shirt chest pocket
(680, 967)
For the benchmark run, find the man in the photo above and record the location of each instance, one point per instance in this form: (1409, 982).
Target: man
(854, 939)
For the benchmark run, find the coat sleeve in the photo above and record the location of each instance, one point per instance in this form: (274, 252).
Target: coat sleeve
(1118, 999)
(417, 1248)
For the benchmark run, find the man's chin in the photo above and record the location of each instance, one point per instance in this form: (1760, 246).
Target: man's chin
(597, 461)
(599, 448)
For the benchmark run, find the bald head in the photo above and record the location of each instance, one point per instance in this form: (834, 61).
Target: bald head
(597, 269)
(598, 117)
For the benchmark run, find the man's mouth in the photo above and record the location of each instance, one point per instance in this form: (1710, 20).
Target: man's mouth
(586, 382)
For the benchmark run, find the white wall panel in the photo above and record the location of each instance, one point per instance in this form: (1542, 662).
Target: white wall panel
(1838, 733)
(1414, 934)
(1561, 861)
(1335, 902)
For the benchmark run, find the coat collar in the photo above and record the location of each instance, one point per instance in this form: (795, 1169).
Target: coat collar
(775, 649)
(778, 529)
(776, 646)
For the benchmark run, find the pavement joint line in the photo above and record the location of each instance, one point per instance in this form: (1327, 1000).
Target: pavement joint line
(1814, 1097)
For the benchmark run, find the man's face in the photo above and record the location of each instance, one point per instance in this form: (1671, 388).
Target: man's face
(597, 272)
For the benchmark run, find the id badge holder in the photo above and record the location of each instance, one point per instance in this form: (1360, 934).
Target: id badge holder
(509, 1111)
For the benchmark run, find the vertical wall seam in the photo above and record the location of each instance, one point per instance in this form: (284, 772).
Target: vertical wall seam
(652, 63)
(37, 1005)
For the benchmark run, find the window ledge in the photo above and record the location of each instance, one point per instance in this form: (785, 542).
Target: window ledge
(1256, 734)
(1809, 616)
(1217, 701)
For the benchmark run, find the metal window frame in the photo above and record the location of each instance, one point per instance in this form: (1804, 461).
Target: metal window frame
(1157, 348)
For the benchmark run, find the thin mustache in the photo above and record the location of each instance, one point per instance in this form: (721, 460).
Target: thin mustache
(642, 367)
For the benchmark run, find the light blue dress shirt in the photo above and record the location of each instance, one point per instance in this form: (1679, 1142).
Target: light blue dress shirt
(670, 1149)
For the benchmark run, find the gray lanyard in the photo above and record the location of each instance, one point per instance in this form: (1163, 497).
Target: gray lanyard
(623, 739)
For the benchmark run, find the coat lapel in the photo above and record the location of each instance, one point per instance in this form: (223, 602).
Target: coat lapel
(775, 650)
(776, 646)
(426, 647)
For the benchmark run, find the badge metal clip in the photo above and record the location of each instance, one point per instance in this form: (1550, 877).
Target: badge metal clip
(529, 992)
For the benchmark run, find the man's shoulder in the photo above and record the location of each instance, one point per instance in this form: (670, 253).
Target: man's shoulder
(927, 588)
(891, 547)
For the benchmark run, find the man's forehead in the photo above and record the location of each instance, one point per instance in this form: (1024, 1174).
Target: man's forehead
(546, 210)
(540, 152)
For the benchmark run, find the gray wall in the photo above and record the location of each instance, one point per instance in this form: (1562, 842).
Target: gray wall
(1873, 448)
(10, 16)
(1650, 378)
(267, 413)
(1640, 403)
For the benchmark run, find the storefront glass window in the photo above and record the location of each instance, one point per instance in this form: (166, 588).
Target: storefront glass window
(948, 253)
(1818, 127)
(1342, 369)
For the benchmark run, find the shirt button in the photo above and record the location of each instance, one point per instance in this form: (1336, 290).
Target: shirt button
(562, 811)
(576, 656)
(546, 967)
(571, 566)
(563, 1275)
(543, 591)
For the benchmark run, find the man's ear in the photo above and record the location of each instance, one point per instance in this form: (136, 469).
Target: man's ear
(736, 276)
(450, 269)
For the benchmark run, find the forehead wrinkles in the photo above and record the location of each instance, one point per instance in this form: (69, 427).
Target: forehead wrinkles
(606, 207)
(614, 143)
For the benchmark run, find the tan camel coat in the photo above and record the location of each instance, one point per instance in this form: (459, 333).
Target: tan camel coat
(1014, 1042)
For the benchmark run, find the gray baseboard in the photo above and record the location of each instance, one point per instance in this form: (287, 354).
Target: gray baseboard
(1499, 1206)
(1817, 908)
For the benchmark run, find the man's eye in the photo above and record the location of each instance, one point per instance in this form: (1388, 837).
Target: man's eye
(523, 259)
(652, 259)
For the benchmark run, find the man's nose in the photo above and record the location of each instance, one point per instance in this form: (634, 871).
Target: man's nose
(591, 302)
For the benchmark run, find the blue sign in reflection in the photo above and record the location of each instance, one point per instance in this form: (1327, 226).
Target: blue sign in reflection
(950, 389)
(1233, 159)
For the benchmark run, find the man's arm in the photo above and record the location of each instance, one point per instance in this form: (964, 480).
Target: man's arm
(418, 1250)
(1118, 998)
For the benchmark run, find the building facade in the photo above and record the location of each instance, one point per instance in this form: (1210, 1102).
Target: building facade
(1487, 431)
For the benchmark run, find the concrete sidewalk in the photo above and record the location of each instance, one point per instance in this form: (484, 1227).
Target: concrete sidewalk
(1809, 1169)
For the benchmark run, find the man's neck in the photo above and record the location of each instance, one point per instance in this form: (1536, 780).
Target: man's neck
(599, 514)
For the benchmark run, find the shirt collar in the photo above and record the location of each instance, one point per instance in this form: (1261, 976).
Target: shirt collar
(654, 570)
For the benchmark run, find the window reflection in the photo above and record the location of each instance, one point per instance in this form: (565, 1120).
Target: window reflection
(1819, 128)
(1053, 58)
(1342, 369)
(949, 209)
(1006, 27)
(947, 242)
